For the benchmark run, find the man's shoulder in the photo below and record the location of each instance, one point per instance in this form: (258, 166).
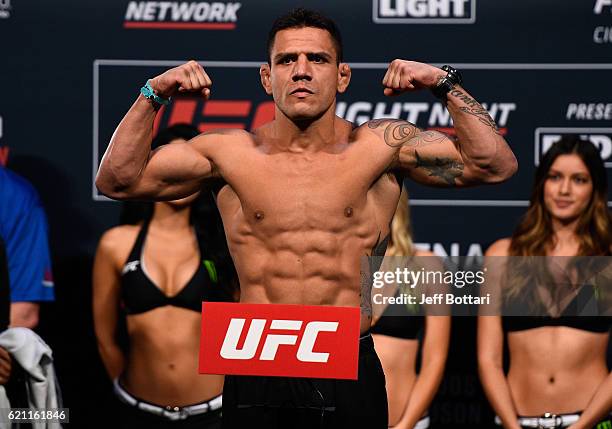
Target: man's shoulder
(225, 134)
(384, 123)
(214, 143)
(393, 132)
(360, 132)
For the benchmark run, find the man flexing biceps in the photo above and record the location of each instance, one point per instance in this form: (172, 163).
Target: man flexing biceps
(306, 196)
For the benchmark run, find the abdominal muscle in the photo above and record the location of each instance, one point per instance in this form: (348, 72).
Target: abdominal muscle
(162, 363)
(305, 260)
(328, 274)
(286, 277)
(302, 242)
(555, 369)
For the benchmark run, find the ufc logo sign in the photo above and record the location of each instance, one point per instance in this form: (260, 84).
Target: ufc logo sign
(279, 340)
(305, 352)
(215, 114)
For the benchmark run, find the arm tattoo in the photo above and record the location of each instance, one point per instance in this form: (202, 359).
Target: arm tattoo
(366, 293)
(473, 107)
(380, 247)
(397, 132)
(446, 169)
(402, 133)
(425, 138)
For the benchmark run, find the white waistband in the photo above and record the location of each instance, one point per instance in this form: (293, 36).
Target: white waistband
(171, 413)
(548, 420)
(423, 423)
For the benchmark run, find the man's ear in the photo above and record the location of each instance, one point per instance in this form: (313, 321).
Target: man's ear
(264, 74)
(344, 77)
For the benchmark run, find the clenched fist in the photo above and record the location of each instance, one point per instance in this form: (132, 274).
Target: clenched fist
(188, 77)
(405, 76)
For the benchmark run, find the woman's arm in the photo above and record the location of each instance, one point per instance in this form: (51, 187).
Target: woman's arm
(490, 339)
(490, 368)
(106, 281)
(435, 350)
(434, 346)
(599, 406)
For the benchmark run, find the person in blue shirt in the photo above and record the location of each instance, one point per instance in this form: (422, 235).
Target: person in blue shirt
(5, 357)
(23, 228)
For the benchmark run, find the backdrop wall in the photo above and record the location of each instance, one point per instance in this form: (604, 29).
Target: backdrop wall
(71, 69)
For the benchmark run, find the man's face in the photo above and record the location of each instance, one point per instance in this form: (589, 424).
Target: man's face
(304, 76)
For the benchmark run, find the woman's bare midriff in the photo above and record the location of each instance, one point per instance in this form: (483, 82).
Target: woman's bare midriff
(555, 369)
(162, 366)
(398, 357)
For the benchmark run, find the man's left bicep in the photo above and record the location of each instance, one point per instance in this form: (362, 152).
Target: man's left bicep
(433, 158)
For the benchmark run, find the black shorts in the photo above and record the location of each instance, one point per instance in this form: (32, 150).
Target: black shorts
(288, 402)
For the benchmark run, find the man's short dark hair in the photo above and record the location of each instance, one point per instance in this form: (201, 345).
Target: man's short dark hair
(300, 18)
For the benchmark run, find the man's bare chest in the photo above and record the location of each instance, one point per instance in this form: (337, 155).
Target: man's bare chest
(304, 191)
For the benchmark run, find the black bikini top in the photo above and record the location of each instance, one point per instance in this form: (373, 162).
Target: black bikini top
(583, 303)
(139, 294)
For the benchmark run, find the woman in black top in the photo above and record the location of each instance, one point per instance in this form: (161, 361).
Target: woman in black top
(156, 270)
(397, 332)
(558, 375)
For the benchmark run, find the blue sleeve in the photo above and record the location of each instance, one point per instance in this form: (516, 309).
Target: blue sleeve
(28, 256)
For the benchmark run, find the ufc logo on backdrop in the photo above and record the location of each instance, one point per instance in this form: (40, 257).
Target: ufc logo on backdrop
(279, 340)
(214, 114)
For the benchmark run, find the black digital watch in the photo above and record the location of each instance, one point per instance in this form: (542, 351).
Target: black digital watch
(452, 78)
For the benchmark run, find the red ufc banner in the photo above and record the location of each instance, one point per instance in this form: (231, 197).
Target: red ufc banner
(279, 340)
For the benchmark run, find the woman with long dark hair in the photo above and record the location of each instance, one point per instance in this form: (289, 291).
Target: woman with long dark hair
(155, 270)
(396, 337)
(557, 373)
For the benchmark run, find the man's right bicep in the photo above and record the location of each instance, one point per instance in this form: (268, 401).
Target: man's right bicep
(173, 171)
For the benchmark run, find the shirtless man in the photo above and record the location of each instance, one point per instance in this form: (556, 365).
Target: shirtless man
(308, 194)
